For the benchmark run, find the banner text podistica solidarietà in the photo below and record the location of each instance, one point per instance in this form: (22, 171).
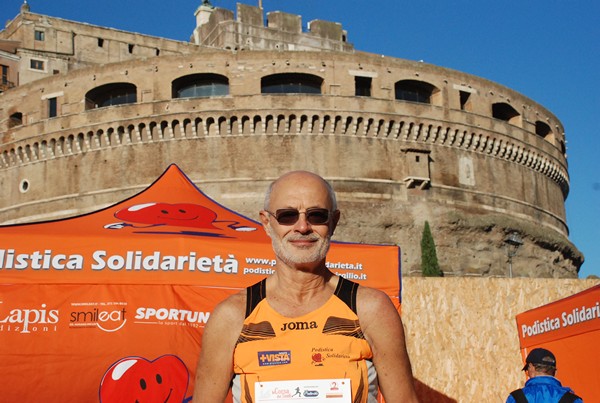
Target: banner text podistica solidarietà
(131, 260)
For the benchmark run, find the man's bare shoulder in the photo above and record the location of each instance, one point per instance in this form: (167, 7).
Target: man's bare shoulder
(375, 307)
(371, 299)
(383, 329)
(230, 311)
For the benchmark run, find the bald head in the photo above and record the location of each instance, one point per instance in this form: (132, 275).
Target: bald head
(301, 180)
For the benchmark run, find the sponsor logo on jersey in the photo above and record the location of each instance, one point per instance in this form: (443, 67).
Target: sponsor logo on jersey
(299, 326)
(268, 358)
(317, 359)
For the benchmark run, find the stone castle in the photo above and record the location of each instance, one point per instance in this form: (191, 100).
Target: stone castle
(90, 115)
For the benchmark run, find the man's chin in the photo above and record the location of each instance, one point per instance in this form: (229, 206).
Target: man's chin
(307, 261)
(301, 257)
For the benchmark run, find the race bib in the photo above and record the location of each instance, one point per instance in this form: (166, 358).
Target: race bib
(314, 390)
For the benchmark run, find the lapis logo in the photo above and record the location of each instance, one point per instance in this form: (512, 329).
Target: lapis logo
(267, 358)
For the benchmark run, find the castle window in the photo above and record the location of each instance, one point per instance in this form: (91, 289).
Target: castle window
(4, 71)
(417, 168)
(542, 129)
(36, 64)
(465, 101)
(110, 95)
(24, 186)
(291, 83)
(16, 119)
(130, 48)
(39, 35)
(362, 86)
(200, 85)
(100, 42)
(506, 112)
(414, 91)
(52, 107)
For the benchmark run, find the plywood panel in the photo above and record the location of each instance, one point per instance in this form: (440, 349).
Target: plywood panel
(462, 335)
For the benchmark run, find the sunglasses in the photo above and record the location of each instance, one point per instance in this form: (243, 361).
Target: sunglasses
(290, 216)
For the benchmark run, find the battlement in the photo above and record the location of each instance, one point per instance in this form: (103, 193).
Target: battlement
(219, 28)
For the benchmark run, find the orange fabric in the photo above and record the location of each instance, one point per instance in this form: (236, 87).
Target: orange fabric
(125, 292)
(570, 328)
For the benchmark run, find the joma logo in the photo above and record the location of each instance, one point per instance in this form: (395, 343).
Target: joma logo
(299, 326)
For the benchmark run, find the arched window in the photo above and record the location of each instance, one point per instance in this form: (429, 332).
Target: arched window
(110, 95)
(542, 129)
(414, 91)
(291, 83)
(200, 85)
(504, 111)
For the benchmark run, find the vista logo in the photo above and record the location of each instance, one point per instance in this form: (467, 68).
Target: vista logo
(268, 358)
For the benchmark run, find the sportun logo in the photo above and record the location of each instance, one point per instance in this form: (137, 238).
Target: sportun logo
(108, 317)
(170, 317)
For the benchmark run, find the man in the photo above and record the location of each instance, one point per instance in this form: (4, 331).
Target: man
(542, 386)
(303, 322)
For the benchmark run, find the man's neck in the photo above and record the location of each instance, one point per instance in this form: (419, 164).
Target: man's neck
(294, 292)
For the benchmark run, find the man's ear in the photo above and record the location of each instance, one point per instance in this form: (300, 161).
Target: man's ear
(264, 219)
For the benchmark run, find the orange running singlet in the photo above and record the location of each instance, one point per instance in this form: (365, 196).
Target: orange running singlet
(327, 343)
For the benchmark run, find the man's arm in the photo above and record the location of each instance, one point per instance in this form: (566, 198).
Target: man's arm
(384, 331)
(215, 365)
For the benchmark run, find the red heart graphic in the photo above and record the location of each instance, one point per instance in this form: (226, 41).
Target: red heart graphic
(179, 215)
(136, 379)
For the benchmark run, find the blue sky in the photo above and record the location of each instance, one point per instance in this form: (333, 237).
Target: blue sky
(548, 50)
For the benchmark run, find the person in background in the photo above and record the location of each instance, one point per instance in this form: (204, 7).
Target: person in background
(303, 322)
(542, 386)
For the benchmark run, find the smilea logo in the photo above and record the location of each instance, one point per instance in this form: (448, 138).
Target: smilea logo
(28, 320)
(108, 317)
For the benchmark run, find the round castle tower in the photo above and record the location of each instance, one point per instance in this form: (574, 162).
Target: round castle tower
(94, 115)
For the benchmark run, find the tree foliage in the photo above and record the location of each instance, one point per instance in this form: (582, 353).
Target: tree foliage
(429, 261)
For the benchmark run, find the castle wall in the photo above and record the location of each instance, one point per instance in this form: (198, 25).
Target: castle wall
(481, 174)
(61, 46)
(475, 159)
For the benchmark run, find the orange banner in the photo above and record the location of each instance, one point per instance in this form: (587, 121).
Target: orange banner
(568, 317)
(110, 306)
(570, 328)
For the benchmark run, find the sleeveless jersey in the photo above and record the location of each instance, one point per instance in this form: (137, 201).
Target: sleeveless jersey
(326, 343)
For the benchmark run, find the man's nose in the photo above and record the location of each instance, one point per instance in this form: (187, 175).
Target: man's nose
(302, 225)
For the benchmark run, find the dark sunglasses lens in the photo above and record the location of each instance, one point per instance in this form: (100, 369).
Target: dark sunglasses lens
(317, 216)
(287, 217)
